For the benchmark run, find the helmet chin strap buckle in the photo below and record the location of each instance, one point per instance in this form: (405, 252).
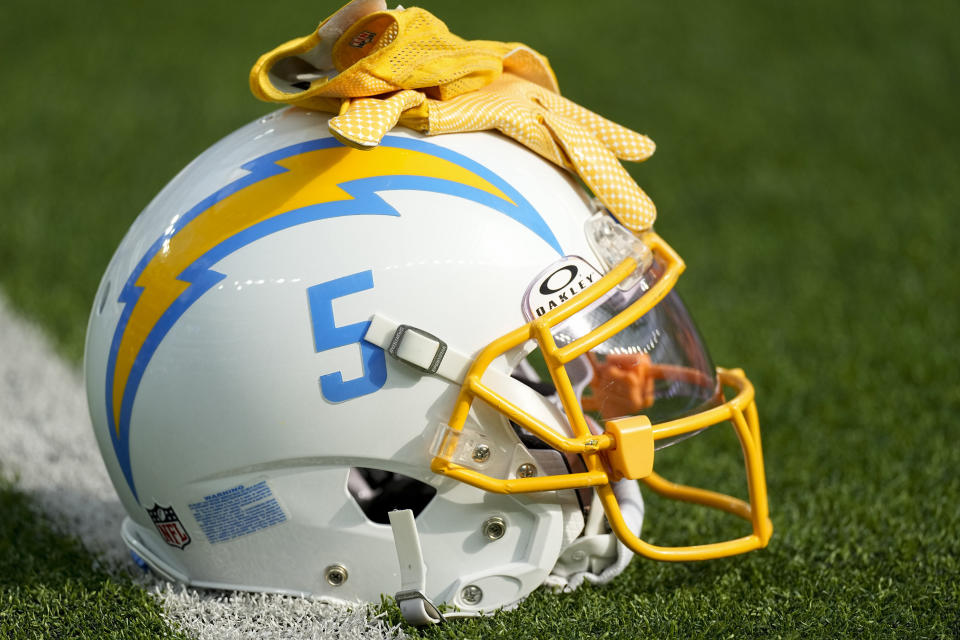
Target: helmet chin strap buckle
(421, 350)
(415, 607)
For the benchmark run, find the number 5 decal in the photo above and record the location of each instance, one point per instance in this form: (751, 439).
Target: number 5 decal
(327, 335)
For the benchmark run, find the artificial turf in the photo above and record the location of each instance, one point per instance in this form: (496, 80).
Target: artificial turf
(48, 588)
(808, 170)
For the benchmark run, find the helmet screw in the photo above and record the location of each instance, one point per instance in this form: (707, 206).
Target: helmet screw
(471, 594)
(336, 575)
(494, 528)
(526, 470)
(481, 453)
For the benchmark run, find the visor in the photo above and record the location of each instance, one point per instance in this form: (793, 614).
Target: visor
(657, 366)
(631, 375)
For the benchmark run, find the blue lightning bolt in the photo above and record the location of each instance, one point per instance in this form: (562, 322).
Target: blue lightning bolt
(201, 277)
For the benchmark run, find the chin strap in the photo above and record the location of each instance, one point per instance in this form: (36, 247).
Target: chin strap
(597, 557)
(427, 353)
(414, 606)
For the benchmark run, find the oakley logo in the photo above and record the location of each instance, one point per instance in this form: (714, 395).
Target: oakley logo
(559, 279)
(560, 283)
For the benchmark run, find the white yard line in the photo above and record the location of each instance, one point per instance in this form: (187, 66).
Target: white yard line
(46, 442)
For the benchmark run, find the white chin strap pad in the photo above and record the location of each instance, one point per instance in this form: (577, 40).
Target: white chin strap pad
(602, 557)
(414, 606)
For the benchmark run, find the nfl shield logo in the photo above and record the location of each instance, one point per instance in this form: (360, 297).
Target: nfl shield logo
(169, 526)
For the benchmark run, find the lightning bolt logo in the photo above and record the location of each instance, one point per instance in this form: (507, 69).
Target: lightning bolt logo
(302, 183)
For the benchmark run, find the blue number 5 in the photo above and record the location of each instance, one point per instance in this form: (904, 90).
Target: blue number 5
(327, 335)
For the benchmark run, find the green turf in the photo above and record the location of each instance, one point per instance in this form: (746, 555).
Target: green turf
(808, 170)
(48, 590)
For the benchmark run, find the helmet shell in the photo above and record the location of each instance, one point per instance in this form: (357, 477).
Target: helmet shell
(230, 394)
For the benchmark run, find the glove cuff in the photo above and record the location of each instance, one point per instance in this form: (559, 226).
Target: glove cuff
(364, 50)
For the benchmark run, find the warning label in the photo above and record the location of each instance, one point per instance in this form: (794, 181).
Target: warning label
(238, 511)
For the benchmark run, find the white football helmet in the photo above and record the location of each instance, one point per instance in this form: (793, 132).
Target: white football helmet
(429, 369)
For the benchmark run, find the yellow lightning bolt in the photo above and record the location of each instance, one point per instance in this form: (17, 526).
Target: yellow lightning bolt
(311, 178)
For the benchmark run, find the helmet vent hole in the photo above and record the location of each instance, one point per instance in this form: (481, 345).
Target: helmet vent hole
(378, 492)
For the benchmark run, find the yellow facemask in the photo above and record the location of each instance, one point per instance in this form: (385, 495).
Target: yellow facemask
(621, 391)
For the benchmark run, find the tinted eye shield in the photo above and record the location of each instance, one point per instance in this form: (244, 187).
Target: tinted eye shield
(625, 448)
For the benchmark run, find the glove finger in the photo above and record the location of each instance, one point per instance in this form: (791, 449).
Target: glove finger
(599, 168)
(532, 66)
(365, 121)
(558, 139)
(487, 110)
(625, 143)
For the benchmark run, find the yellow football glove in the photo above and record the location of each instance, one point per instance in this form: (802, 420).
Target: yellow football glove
(428, 79)
(556, 128)
(363, 50)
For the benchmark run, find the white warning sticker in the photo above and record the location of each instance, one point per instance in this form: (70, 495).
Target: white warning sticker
(237, 512)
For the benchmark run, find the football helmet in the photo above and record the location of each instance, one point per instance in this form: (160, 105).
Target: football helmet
(436, 368)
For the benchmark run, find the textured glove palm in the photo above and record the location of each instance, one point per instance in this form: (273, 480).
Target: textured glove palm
(556, 128)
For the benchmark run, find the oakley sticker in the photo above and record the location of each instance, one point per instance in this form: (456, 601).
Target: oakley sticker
(557, 284)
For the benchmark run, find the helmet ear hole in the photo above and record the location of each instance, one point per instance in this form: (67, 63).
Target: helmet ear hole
(378, 492)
